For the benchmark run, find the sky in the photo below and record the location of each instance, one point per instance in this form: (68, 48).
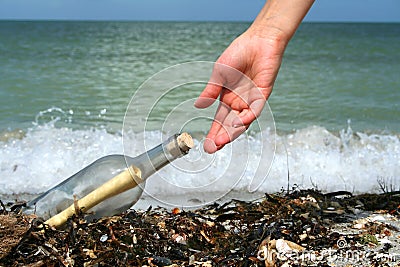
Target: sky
(197, 10)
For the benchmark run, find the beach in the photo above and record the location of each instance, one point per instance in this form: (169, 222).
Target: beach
(297, 228)
(67, 85)
(73, 92)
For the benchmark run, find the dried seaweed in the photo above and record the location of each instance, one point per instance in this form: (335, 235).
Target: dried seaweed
(237, 233)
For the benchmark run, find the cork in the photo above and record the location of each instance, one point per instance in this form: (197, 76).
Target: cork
(185, 142)
(179, 145)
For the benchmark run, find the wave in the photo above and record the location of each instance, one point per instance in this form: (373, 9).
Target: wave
(313, 157)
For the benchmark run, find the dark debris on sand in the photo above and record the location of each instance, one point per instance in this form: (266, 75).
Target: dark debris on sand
(303, 228)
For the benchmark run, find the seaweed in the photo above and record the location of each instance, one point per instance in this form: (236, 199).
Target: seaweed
(237, 233)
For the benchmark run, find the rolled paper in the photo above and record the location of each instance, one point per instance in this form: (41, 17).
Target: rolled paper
(122, 182)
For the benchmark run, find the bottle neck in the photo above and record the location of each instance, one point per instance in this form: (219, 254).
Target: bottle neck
(159, 156)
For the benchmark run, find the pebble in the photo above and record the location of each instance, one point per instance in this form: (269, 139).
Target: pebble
(160, 261)
(104, 238)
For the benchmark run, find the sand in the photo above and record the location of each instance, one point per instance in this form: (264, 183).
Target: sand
(303, 228)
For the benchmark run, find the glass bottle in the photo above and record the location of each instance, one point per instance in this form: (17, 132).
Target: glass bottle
(101, 172)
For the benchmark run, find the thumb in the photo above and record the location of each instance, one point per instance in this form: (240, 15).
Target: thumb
(212, 89)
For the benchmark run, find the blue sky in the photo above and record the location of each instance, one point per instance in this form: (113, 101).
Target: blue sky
(226, 10)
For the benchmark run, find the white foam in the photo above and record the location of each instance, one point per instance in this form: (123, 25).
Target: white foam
(47, 155)
(354, 162)
(313, 156)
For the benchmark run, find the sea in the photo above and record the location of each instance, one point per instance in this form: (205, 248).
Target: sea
(74, 91)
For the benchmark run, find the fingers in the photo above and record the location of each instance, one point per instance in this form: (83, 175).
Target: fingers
(241, 102)
(208, 96)
(222, 132)
(209, 146)
(247, 116)
(228, 124)
(216, 128)
(228, 135)
(224, 136)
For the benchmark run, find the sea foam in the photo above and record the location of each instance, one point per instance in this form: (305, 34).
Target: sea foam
(311, 157)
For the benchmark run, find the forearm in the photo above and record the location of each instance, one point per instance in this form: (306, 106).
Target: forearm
(279, 19)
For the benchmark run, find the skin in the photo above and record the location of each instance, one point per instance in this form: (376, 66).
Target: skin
(244, 74)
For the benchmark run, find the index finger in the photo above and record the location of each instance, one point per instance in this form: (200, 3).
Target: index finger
(216, 127)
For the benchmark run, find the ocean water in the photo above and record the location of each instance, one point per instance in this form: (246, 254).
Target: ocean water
(332, 121)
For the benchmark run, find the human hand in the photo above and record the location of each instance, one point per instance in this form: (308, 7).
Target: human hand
(243, 78)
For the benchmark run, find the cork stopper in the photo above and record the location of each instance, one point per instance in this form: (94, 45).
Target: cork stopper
(185, 142)
(178, 145)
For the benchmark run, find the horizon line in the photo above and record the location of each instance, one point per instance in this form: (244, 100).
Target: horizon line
(177, 20)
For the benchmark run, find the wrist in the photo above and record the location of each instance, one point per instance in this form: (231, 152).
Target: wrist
(279, 19)
(275, 37)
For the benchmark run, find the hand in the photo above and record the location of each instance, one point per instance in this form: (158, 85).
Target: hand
(243, 78)
(245, 73)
